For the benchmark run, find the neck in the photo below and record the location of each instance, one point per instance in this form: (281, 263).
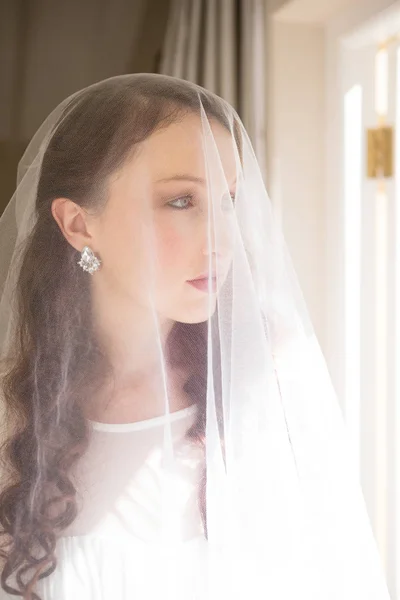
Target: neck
(141, 385)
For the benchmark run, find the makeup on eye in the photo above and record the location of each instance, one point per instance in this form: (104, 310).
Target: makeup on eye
(187, 201)
(190, 195)
(188, 198)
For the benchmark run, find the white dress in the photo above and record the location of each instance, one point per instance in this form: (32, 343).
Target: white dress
(114, 550)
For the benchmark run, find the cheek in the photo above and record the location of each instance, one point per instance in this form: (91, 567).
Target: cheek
(176, 252)
(170, 238)
(121, 245)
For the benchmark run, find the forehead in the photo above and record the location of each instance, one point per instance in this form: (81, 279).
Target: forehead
(189, 146)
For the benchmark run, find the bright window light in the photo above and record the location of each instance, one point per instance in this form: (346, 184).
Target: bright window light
(352, 226)
(381, 83)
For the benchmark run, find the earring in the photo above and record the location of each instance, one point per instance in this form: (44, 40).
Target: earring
(89, 261)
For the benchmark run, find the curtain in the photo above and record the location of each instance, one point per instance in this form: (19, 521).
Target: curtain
(220, 44)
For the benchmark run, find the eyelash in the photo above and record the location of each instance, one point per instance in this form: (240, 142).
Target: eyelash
(190, 198)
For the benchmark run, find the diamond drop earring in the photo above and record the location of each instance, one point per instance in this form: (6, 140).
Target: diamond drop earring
(89, 261)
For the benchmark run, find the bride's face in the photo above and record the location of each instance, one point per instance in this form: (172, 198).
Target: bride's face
(165, 221)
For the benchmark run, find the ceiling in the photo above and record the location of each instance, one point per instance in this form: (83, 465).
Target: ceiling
(314, 12)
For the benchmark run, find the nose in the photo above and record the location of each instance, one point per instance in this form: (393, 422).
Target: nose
(217, 236)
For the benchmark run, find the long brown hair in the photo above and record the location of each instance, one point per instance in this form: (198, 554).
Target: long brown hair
(44, 392)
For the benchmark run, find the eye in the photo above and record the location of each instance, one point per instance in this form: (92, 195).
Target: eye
(181, 203)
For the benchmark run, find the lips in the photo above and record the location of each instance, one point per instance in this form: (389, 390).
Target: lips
(205, 275)
(203, 283)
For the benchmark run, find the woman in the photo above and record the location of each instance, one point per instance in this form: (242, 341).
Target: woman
(170, 429)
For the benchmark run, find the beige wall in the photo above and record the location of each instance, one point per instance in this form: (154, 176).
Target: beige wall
(304, 127)
(296, 124)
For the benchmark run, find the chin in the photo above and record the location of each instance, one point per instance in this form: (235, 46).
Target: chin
(196, 314)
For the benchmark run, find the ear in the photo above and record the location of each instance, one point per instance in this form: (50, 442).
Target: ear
(72, 221)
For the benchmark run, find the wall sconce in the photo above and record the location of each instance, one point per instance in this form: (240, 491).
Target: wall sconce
(380, 152)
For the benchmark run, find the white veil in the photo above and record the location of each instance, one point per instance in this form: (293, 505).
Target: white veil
(285, 516)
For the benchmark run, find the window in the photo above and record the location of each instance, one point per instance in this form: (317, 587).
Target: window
(371, 215)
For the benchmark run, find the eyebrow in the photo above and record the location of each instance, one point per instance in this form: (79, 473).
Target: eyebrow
(182, 177)
(186, 177)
